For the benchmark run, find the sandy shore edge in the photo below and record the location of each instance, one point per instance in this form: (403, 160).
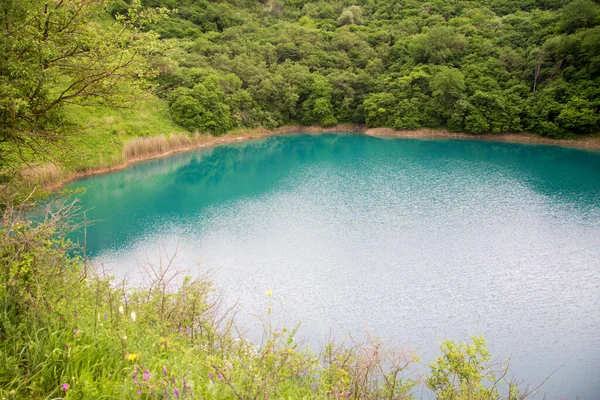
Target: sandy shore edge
(590, 143)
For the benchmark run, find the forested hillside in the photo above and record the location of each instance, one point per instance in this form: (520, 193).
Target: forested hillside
(101, 72)
(471, 66)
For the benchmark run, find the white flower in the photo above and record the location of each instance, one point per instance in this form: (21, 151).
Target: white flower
(125, 337)
(121, 311)
(133, 316)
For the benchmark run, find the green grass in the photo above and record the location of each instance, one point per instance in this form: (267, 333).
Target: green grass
(98, 133)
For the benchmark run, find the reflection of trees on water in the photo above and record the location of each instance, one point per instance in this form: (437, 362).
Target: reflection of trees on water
(178, 188)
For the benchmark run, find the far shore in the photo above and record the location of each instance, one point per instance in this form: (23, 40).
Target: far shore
(206, 140)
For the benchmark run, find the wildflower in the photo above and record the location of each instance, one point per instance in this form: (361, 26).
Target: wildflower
(65, 386)
(164, 371)
(75, 331)
(146, 376)
(60, 318)
(75, 315)
(124, 337)
(176, 392)
(184, 384)
(220, 377)
(269, 293)
(133, 316)
(131, 356)
(210, 376)
(105, 316)
(135, 379)
(121, 310)
(139, 391)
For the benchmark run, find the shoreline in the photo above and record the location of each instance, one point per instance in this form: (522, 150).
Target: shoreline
(239, 136)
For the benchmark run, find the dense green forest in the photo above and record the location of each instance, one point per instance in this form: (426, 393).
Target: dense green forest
(481, 66)
(470, 66)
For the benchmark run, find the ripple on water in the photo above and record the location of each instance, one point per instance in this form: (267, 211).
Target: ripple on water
(412, 241)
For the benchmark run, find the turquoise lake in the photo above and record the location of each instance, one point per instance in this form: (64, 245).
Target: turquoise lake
(414, 241)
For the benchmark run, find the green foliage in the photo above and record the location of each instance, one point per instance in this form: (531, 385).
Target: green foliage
(379, 109)
(447, 86)
(475, 67)
(203, 108)
(478, 67)
(317, 107)
(579, 14)
(441, 44)
(351, 15)
(54, 54)
(579, 116)
(463, 372)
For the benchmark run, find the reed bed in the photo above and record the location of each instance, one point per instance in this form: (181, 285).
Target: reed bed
(151, 146)
(44, 174)
(142, 147)
(179, 141)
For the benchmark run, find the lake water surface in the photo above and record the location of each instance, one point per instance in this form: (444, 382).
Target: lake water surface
(414, 241)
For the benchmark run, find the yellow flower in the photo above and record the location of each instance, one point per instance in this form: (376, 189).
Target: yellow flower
(131, 357)
(269, 293)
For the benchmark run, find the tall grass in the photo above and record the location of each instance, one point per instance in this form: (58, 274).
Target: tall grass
(44, 174)
(145, 147)
(97, 135)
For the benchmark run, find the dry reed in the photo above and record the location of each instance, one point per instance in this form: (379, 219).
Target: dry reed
(179, 141)
(43, 174)
(142, 147)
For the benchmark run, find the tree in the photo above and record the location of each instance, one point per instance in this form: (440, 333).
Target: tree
(202, 108)
(317, 107)
(380, 109)
(351, 15)
(579, 116)
(578, 14)
(52, 54)
(439, 45)
(447, 86)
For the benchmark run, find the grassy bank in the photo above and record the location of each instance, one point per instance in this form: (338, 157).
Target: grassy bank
(99, 139)
(68, 331)
(117, 152)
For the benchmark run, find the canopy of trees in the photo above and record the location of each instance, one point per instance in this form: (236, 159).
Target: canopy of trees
(473, 66)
